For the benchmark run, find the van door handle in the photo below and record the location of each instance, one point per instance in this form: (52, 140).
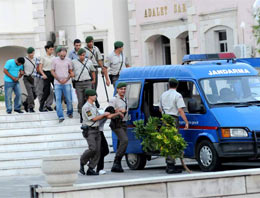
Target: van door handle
(136, 114)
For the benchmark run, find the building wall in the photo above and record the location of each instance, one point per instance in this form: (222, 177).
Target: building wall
(200, 20)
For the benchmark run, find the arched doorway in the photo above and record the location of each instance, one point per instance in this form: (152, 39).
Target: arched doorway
(182, 46)
(158, 50)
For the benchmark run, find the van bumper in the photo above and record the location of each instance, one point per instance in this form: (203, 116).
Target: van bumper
(238, 149)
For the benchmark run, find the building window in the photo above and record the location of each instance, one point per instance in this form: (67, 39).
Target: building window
(222, 37)
(100, 46)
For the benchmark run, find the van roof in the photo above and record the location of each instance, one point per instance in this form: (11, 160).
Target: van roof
(255, 62)
(195, 71)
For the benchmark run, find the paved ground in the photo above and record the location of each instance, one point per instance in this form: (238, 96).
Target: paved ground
(18, 187)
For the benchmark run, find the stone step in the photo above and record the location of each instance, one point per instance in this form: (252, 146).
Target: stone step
(31, 116)
(57, 129)
(25, 155)
(35, 168)
(36, 123)
(39, 146)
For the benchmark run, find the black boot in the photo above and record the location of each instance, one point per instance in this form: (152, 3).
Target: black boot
(117, 167)
(81, 170)
(81, 119)
(171, 169)
(91, 172)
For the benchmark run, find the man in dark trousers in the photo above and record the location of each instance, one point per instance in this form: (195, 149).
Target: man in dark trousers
(28, 78)
(172, 103)
(115, 62)
(119, 126)
(91, 133)
(45, 71)
(93, 53)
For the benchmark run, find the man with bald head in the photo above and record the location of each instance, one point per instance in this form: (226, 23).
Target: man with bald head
(62, 72)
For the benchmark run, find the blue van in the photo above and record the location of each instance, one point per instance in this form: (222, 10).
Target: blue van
(222, 100)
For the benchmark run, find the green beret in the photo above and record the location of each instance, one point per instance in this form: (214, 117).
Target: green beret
(30, 50)
(173, 80)
(58, 49)
(120, 85)
(90, 92)
(81, 51)
(118, 44)
(89, 39)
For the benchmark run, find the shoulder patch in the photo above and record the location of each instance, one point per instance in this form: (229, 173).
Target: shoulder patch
(89, 113)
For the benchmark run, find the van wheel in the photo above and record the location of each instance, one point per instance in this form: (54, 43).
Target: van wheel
(207, 156)
(135, 161)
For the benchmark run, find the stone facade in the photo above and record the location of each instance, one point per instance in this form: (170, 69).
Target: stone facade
(162, 32)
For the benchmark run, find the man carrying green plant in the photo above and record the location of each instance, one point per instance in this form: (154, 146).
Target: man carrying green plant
(172, 103)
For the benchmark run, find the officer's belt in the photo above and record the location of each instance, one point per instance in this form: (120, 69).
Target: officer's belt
(82, 80)
(95, 128)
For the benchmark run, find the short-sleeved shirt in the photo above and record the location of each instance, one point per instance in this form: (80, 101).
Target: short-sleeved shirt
(73, 54)
(94, 55)
(13, 69)
(61, 68)
(114, 62)
(29, 66)
(119, 103)
(46, 62)
(78, 67)
(89, 111)
(171, 101)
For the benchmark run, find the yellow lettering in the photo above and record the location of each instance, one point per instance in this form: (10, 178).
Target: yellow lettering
(175, 8)
(154, 12)
(165, 10)
(184, 8)
(149, 12)
(145, 13)
(162, 11)
(158, 11)
(179, 8)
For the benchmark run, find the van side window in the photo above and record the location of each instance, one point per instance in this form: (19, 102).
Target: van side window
(132, 95)
(158, 89)
(189, 91)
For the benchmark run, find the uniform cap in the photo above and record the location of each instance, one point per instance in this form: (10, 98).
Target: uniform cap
(118, 44)
(90, 92)
(89, 39)
(30, 50)
(173, 80)
(120, 85)
(58, 49)
(81, 51)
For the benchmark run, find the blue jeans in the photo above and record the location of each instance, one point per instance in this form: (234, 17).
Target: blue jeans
(66, 91)
(9, 88)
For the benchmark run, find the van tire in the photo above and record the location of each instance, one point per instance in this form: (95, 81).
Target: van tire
(136, 161)
(207, 156)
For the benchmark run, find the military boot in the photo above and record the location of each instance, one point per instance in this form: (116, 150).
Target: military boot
(81, 119)
(91, 171)
(81, 170)
(171, 169)
(117, 167)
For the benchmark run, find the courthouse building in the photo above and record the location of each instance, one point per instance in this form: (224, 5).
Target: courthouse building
(154, 31)
(25, 23)
(162, 32)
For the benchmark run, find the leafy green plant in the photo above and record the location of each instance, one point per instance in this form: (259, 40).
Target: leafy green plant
(2, 98)
(160, 135)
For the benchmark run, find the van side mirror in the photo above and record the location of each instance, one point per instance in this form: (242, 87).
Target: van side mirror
(193, 107)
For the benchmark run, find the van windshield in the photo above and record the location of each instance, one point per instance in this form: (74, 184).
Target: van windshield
(232, 90)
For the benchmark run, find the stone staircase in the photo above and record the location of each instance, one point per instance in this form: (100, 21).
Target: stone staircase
(26, 138)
